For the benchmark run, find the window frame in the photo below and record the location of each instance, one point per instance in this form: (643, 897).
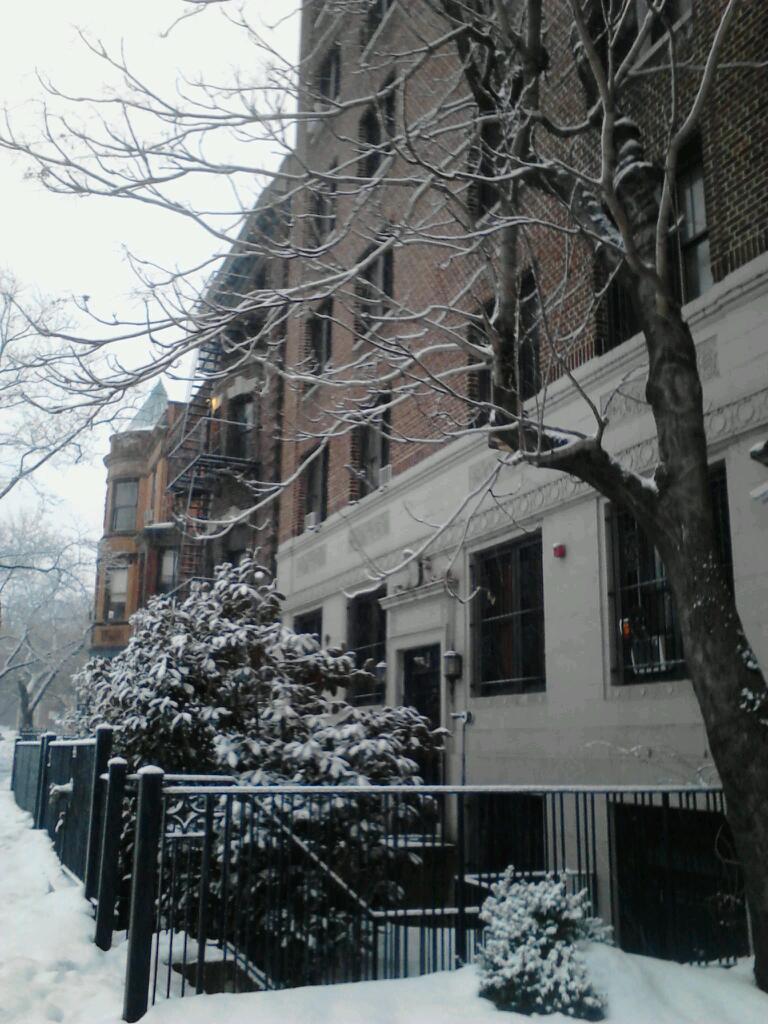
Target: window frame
(375, 649)
(373, 20)
(111, 607)
(320, 341)
(323, 207)
(624, 532)
(373, 448)
(328, 78)
(374, 289)
(116, 509)
(690, 180)
(316, 486)
(239, 431)
(371, 142)
(163, 585)
(311, 617)
(482, 643)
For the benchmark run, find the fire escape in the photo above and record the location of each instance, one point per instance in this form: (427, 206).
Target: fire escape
(203, 449)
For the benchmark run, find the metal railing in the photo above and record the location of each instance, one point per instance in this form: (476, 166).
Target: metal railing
(58, 782)
(287, 886)
(226, 887)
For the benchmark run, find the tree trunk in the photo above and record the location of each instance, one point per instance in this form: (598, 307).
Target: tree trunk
(26, 711)
(720, 663)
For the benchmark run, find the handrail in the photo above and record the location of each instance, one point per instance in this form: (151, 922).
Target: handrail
(329, 791)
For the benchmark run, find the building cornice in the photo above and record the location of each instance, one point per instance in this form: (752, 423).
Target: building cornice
(722, 423)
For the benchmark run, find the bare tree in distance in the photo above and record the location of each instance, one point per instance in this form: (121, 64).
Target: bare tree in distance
(533, 150)
(46, 586)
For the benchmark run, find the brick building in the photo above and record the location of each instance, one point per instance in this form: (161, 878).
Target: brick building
(573, 671)
(138, 553)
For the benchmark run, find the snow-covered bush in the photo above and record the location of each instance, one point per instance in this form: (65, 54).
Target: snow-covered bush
(530, 962)
(216, 682)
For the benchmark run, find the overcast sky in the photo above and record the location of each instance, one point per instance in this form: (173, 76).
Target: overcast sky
(64, 245)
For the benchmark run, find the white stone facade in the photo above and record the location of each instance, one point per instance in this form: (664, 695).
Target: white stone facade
(583, 727)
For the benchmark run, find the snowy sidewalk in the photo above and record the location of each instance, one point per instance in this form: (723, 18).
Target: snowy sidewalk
(50, 969)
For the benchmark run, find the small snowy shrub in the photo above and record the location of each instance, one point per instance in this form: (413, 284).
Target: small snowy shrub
(530, 962)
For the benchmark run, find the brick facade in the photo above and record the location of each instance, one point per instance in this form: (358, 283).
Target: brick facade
(734, 135)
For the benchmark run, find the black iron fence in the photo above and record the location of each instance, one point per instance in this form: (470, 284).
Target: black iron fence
(58, 781)
(235, 888)
(272, 888)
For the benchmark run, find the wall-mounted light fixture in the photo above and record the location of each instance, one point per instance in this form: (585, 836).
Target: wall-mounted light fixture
(452, 666)
(559, 550)
(381, 671)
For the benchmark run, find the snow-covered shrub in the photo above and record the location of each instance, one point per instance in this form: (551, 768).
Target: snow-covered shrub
(216, 682)
(530, 962)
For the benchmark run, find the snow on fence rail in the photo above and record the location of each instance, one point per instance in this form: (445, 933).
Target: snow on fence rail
(241, 887)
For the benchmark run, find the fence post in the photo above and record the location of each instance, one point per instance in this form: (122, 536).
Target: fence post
(202, 908)
(13, 764)
(100, 760)
(41, 799)
(142, 912)
(109, 867)
(461, 916)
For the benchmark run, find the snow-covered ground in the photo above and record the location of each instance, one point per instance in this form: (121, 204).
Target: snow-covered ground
(51, 971)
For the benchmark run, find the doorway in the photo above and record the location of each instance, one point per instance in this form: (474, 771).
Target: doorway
(421, 690)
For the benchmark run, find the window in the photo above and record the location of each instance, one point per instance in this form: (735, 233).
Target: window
(369, 136)
(125, 497)
(367, 638)
(329, 75)
(388, 113)
(690, 262)
(316, 488)
(323, 208)
(377, 11)
(320, 337)
(167, 566)
(373, 448)
(240, 427)
(670, 13)
(508, 613)
(310, 622)
(479, 392)
(116, 594)
(649, 644)
(372, 289)
(508, 619)
(619, 318)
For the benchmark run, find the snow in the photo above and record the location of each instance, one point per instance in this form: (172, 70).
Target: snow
(50, 970)
(639, 990)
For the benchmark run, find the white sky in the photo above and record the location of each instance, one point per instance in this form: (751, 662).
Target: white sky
(63, 245)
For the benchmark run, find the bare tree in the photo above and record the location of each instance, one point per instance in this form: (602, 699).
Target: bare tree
(37, 429)
(530, 149)
(45, 595)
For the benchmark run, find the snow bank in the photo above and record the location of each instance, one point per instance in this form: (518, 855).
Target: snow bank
(50, 969)
(640, 991)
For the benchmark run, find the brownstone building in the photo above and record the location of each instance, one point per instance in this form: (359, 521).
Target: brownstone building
(138, 553)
